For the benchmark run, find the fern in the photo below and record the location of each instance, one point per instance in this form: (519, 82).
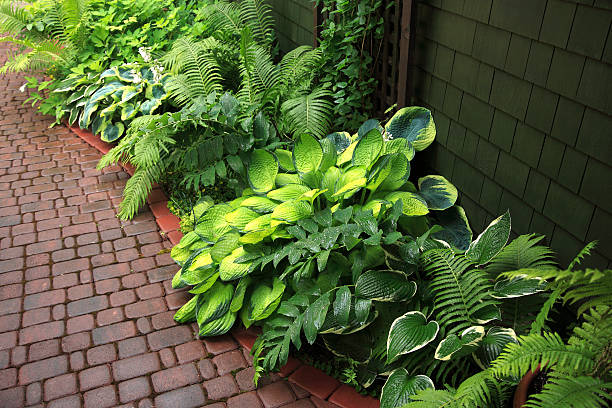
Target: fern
(299, 64)
(523, 252)
(13, 18)
(582, 254)
(572, 391)
(461, 293)
(137, 189)
(310, 113)
(256, 14)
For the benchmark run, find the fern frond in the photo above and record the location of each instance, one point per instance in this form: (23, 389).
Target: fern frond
(544, 350)
(137, 190)
(595, 333)
(310, 113)
(582, 254)
(572, 391)
(523, 252)
(430, 398)
(299, 64)
(223, 16)
(256, 14)
(461, 293)
(42, 55)
(13, 18)
(542, 316)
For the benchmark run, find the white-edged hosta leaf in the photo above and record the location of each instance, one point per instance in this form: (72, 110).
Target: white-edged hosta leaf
(487, 314)
(438, 192)
(415, 124)
(88, 111)
(517, 287)
(288, 192)
(262, 171)
(368, 149)
(240, 217)
(491, 241)
(112, 132)
(412, 204)
(291, 211)
(264, 300)
(307, 154)
(230, 270)
(385, 286)
(453, 343)
(492, 345)
(285, 159)
(214, 303)
(400, 386)
(409, 333)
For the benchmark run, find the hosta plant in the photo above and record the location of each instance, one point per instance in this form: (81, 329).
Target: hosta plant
(107, 102)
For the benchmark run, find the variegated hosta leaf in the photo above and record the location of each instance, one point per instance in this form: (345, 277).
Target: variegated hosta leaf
(456, 228)
(491, 241)
(128, 111)
(400, 386)
(207, 279)
(224, 246)
(307, 154)
(517, 287)
(262, 171)
(329, 182)
(218, 327)
(85, 117)
(291, 211)
(400, 146)
(285, 159)
(340, 140)
(288, 192)
(212, 224)
(258, 224)
(492, 345)
(388, 169)
(214, 303)
(177, 283)
(230, 270)
(453, 344)
(353, 346)
(412, 204)
(329, 154)
(112, 132)
(187, 313)
(438, 192)
(415, 124)
(105, 91)
(240, 217)
(350, 180)
(194, 268)
(179, 254)
(385, 286)
(409, 333)
(368, 149)
(239, 293)
(264, 300)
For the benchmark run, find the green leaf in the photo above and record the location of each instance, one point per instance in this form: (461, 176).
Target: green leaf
(224, 246)
(367, 126)
(187, 313)
(412, 204)
(240, 217)
(491, 241)
(456, 228)
(349, 181)
(415, 124)
(128, 111)
(89, 109)
(218, 327)
(400, 146)
(453, 344)
(315, 317)
(238, 298)
(329, 181)
(291, 211)
(214, 303)
(492, 345)
(439, 193)
(400, 386)
(207, 280)
(340, 140)
(265, 300)
(259, 204)
(329, 154)
(285, 159)
(368, 149)
(288, 192)
(230, 270)
(342, 305)
(283, 179)
(112, 132)
(259, 223)
(409, 333)
(262, 171)
(385, 286)
(307, 154)
(517, 287)
(389, 169)
(212, 224)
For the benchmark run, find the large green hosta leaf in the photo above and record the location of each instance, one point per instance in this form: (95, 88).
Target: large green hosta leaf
(439, 193)
(264, 300)
(285, 159)
(517, 287)
(288, 192)
(456, 228)
(240, 217)
(412, 204)
(88, 111)
(214, 303)
(400, 386)
(219, 326)
(414, 124)
(385, 286)
(409, 333)
(212, 224)
(224, 246)
(259, 204)
(492, 345)
(262, 171)
(230, 270)
(491, 241)
(368, 149)
(350, 181)
(389, 169)
(291, 211)
(187, 313)
(307, 154)
(453, 343)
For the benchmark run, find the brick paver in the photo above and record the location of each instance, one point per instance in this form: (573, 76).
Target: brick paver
(86, 303)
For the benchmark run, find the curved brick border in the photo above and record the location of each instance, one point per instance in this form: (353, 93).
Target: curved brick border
(313, 380)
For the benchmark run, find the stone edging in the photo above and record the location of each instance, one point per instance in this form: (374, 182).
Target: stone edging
(311, 379)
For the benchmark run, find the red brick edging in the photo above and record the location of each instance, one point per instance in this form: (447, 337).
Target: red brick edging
(311, 379)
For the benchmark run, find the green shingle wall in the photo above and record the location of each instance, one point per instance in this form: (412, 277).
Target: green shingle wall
(521, 92)
(294, 22)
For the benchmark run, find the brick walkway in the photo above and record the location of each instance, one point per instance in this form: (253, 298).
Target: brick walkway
(86, 303)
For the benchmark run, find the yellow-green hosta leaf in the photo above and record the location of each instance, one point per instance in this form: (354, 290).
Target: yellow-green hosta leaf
(187, 313)
(291, 211)
(112, 132)
(347, 154)
(393, 168)
(177, 282)
(329, 181)
(412, 204)
(259, 204)
(260, 223)
(218, 327)
(288, 192)
(239, 293)
(310, 195)
(415, 124)
(409, 333)
(128, 111)
(368, 149)
(400, 146)
(285, 159)
(212, 224)
(253, 237)
(340, 140)
(264, 300)
(438, 192)
(262, 171)
(400, 386)
(454, 344)
(224, 246)
(208, 279)
(230, 270)
(237, 202)
(179, 254)
(350, 187)
(329, 154)
(307, 153)
(283, 179)
(240, 217)
(373, 205)
(351, 179)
